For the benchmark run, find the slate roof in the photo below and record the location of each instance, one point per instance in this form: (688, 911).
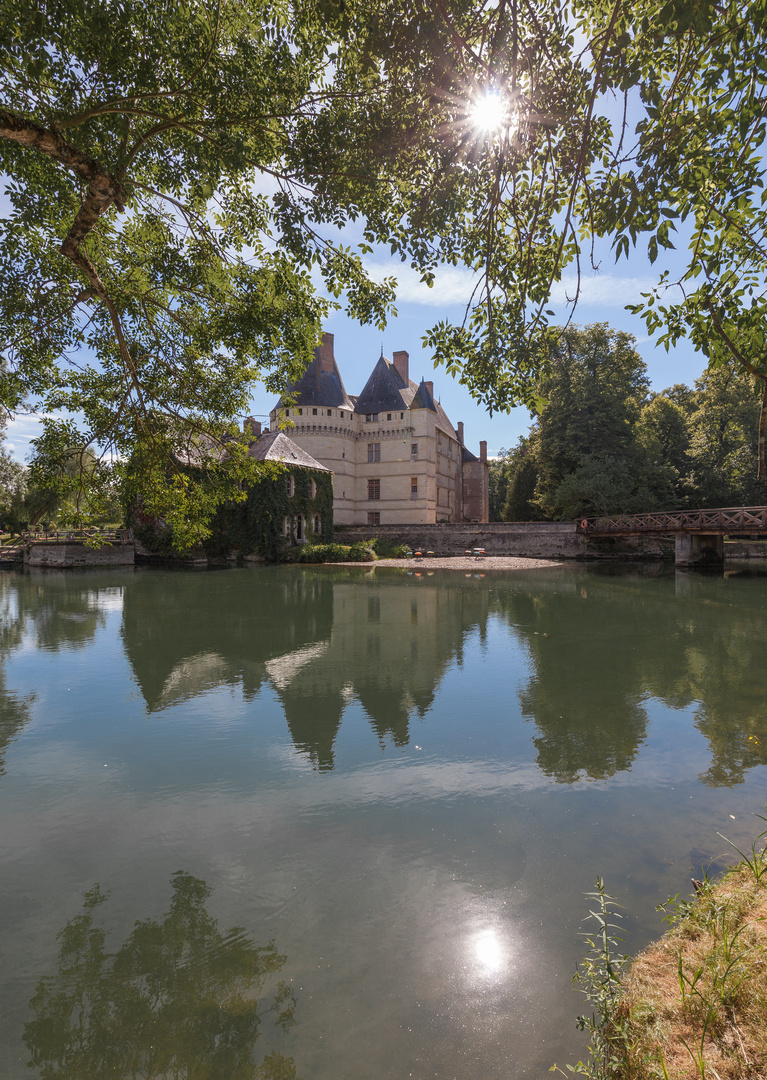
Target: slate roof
(276, 446)
(423, 399)
(321, 383)
(466, 455)
(385, 390)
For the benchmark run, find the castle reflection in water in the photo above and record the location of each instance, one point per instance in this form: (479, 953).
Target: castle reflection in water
(600, 647)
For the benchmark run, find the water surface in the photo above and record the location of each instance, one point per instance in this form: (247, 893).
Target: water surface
(365, 803)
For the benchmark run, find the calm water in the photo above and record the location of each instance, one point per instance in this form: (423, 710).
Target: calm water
(363, 802)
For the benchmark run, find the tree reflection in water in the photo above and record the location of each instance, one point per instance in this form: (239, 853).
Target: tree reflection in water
(14, 708)
(178, 999)
(603, 645)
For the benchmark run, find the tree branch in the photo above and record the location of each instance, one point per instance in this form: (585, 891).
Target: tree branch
(101, 184)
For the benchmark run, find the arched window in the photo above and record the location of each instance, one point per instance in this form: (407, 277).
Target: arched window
(291, 485)
(317, 529)
(312, 490)
(299, 528)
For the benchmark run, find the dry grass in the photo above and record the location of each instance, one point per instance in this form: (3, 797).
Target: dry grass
(695, 1004)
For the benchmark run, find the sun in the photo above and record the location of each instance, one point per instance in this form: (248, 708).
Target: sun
(489, 112)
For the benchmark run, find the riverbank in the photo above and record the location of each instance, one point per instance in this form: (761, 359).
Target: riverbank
(467, 563)
(694, 1003)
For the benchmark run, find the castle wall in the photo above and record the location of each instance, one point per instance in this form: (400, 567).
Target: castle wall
(530, 539)
(409, 450)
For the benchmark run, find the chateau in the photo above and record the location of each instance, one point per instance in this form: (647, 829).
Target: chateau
(396, 458)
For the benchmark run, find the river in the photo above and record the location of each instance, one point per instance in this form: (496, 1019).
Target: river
(363, 803)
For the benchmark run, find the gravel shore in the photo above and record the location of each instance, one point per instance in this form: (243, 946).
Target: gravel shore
(467, 562)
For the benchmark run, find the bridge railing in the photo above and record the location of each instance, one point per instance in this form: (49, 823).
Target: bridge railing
(728, 519)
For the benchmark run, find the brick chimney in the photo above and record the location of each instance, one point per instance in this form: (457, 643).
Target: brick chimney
(483, 451)
(401, 361)
(327, 360)
(252, 427)
(430, 388)
(460, 432)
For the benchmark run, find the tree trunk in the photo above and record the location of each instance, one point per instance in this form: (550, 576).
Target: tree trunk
(762, 426)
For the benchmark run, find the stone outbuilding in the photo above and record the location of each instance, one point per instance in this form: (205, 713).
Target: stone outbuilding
(307, 499)
(282, 506)
(395, 456)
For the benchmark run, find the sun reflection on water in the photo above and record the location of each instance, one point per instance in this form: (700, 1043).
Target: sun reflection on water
(489, 953)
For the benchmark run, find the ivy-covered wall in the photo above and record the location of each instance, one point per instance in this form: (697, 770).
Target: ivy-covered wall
(255, 526)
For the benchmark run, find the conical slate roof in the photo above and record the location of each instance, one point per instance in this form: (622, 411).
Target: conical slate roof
(423, 399)
(385, 390)
(321, 383)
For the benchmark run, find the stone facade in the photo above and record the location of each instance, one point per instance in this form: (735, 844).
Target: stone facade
(395, 456)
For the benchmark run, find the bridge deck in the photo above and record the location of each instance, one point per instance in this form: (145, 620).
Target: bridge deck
(719, 522)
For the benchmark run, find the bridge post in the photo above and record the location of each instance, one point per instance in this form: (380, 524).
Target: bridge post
(699, 549)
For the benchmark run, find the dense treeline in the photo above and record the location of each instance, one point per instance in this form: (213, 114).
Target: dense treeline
(603, 444)
(27, 498)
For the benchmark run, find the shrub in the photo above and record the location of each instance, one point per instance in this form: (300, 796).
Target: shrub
(323, 553)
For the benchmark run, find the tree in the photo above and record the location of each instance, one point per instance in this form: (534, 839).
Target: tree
(13, 486)
(138, 245)
(523, 481)
(585, 450)
(723, 440)
(498, 479)
(662, 432)
(138, 140)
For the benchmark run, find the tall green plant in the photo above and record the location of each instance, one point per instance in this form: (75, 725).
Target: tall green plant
(598, 977)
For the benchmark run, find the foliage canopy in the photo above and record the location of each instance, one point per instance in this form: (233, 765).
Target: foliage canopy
(602, 444)
(178, 175)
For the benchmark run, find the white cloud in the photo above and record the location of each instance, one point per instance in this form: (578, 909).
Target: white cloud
(452, 284)
(601, 290)
(19, 433)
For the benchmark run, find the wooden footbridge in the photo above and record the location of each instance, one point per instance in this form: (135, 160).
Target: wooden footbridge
(699, 534)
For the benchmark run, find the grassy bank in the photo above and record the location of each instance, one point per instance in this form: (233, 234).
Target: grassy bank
(693, 1005)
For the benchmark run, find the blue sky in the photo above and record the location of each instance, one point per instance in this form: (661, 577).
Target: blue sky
(604, 296)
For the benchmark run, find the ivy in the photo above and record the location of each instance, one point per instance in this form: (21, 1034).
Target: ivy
(253, 525)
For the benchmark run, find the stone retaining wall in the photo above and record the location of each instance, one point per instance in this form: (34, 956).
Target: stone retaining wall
(743, 549)
(68, 553)
(531, 539)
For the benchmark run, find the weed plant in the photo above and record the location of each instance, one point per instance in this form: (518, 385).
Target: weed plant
(692, 1005)
(599, 977)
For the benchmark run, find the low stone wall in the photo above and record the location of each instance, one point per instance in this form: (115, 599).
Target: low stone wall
(745, 549)
(530, 539)
(69, 553)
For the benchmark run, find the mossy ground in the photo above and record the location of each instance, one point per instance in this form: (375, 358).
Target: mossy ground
(695, 1002)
